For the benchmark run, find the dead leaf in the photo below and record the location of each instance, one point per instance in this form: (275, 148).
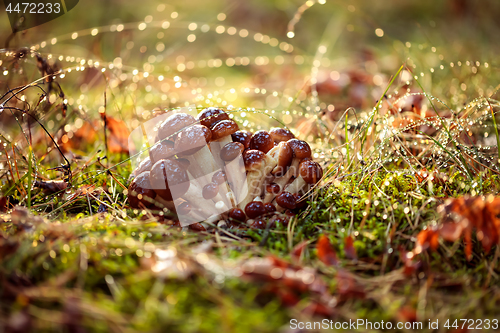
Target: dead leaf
(3, 204)
(461, 216)
(326, 253)
(350, 251)
(52, 186)
(117, 135)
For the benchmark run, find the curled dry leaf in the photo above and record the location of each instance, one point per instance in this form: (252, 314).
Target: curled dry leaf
(52, 186)
(118, 135)
(326, 253)
(460, 217)
(350, 251)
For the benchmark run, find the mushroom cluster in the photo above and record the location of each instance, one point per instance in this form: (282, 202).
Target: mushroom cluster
(208, 170)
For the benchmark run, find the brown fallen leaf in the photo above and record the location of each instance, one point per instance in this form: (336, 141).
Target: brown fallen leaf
(3, 204)
(52, 186)
(461, 216)
(350, 251)
(117, 136)
(325, 251)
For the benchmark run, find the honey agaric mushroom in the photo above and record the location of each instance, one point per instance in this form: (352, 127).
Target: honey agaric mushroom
(192, 144)
(262, 141)
(283, 154)
(144, 165)
(230, 151)
(242, 137)
(161, 150)
(168, 179)
(211, 116)
(286, 200)
(171, 126)
(281, 134)
(301, 150)
(310, 172)
(255, 209)
(258, 166)
(140, 189)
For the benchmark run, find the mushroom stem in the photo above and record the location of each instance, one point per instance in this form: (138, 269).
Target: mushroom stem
(202, 163)
(297, 185)
(255, 178)
(282, 181)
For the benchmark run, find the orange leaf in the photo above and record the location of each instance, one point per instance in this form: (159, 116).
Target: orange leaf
(117, 135)
(350, 251)
(325, 251)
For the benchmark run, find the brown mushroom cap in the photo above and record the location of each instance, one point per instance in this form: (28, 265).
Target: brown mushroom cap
(210, 190)
(310, 171)
(273, 188)
(281, 134)
(223, 128)
(242, 137)
(173, 124)
(161, 150)
(166, 176)
(210, 116)
(219, 177)
(183, 162)
(192, 139)
(253, 159)
(140, 188)
(144, 165)
(255, 209)
(286, 200)
(262, 141)
(237, 214)
(232, 150)
(284, 157)
(270, 208)
(300, 148)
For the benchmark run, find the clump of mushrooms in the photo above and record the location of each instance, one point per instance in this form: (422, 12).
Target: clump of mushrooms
(207, 170)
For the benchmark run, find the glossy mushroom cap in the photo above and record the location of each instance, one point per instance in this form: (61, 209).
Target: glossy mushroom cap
(300, 148)
(255, 209)
(284, 156)
(262, 141)
(242, 137)
(192, 139)
(253, 159)
(140, 188)
(144, 165)
(173, 124)
(286, 200)
(237, 214)
(310, 171)
(210, 116)
(281, 134)
(169, 179)
(161, 150)
(210, 190)
(223, 128)
(219, 177)
(230, 151)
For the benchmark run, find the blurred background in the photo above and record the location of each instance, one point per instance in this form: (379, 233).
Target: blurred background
(290, 59)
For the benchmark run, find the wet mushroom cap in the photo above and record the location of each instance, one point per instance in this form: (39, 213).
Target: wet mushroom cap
(223, 128)
(242, 137)
(219, 177)
(210, 116)
(144, 165)
(262, 141)
(255, 209)
(174, 124)
(183, 162)
(310, 171)
(184, 208)
(300, 148)
(161, 150)
(210, 190)
(140, 188)
(273, 188)
(237, 214)
(192, 139)
(284, 157)
(286, 200)
(166, 176)
(232, 150)
(253, 159)
(270, 208)
(281, 134)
